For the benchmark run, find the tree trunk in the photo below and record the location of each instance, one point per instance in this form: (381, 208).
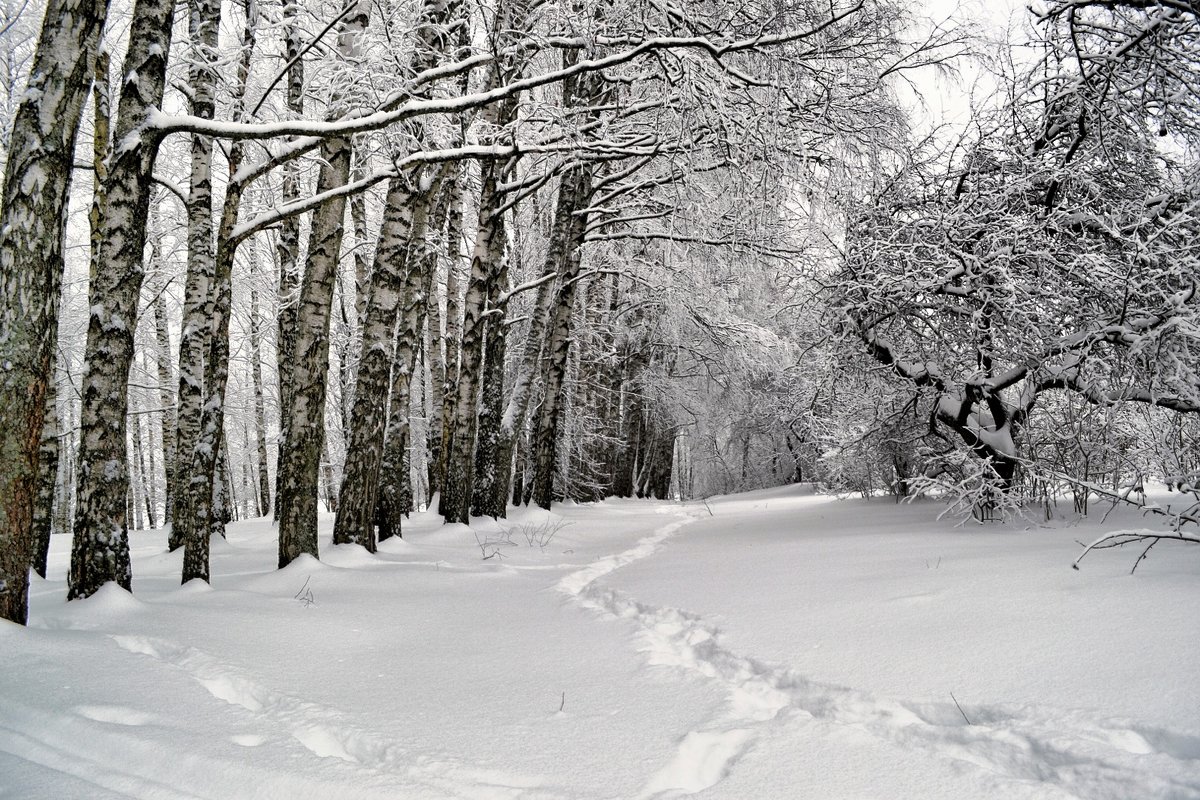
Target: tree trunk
(300, 452)
(435, 351)
(263, 492)
(485, 266)
(43, 507)
(513, 421)
(33, 221)
(137, 472)
(100, 551)
(288, 248)
(166, 397)
(394, 499)
(453, 338)
(204, 21)
(206, 499)
(490, 492)
(355, 522)
(578, 184)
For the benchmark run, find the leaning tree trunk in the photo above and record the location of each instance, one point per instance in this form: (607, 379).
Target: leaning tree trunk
(300, 450)
(100, 551)
(578, 183)
(206, 498)
(33, 220)
(204, 21)
(355, 523)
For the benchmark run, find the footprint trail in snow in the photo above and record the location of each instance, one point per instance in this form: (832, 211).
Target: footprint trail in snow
(326, 732)
(1073, 751)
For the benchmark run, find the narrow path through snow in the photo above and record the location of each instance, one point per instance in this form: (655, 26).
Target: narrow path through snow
(1074, 752)
(325, 732)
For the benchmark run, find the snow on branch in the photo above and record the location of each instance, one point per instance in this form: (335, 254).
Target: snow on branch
(402, 105)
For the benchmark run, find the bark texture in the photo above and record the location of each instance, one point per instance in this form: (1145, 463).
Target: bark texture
(206, 501)
(490, 492)
(577, 184)
(529, 369)
(37, 183)
(355, 523)
(395, 484)
(204, 20)
(453, 338)
(166, 397)
(288, 247)
(485, 265)
(100, 551)
(43, 508)
(300, 452)
(263, 490)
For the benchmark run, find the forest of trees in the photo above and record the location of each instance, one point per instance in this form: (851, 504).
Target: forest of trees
(274, 257)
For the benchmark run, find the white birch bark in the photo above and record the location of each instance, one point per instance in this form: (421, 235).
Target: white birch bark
(204, 21)
(355, 523)
(300, 453)
(206, 497)
(100, 550)
(37, 182)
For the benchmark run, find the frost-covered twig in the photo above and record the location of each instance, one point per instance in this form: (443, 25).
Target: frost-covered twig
(1122, 538)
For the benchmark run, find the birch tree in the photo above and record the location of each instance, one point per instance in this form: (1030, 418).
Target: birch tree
(100, 550)
(300, 451)
(37, 181)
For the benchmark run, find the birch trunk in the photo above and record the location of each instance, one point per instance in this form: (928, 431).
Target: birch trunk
(100, 550)
(351, 351)
(300, 453)
(515, 412)
(485, 264)
(355, 523)
(288, 249)
(490, 492)
(43, 507)
(166, 397)
(37, 182)
(206, 496)
(435, 351)
(453, 338)
(204, 20)
(395, 480)
(578, 184)
(263, 492)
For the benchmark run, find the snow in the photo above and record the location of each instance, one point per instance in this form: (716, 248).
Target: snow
(776, 644)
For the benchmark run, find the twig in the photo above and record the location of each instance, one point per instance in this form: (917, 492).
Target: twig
(305, 595)
(563, 704)
(960, 709)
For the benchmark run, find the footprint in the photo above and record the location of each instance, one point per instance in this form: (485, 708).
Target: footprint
(114, 715)
(703, 760)
(1179, 746)
(247, 739)
(323, 742)
(1130, 742)
(233, 691)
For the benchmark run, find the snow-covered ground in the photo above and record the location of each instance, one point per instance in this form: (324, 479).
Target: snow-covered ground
(767, 645)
